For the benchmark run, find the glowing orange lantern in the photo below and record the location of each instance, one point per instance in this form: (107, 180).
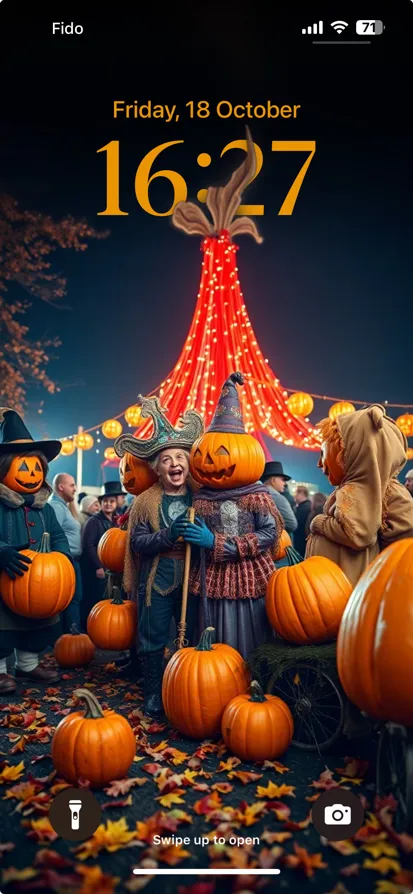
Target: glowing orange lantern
(133, 415)
(338, 409)
(112, 428)
(110, 453)
(300, 403)
(68, 447)
(405, 424)
(83, 441)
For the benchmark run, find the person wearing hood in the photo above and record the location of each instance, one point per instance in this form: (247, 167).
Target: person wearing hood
(362, 454)
(89, 506)
(25, 515)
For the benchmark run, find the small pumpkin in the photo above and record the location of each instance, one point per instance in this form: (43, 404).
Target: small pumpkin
(25, 474)
(280, 549)
(96, 745)
(135, 474)
(111, 623)
(198, 683)
(45, 589)
(112, 549)
(375, 640)
(305, 602)
(257, 727)
(74, 649)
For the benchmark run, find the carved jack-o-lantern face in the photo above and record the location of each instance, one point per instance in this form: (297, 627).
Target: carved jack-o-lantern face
(328, 463)
(135, 474)
(25, 475)
(225, 460)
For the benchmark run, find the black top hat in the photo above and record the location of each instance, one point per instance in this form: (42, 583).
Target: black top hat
(16, 438)
(112, 489)
(274, 468)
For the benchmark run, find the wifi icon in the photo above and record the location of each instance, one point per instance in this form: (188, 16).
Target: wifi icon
(339, 27)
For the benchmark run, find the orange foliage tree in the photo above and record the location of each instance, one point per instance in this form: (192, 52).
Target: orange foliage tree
(27, 240)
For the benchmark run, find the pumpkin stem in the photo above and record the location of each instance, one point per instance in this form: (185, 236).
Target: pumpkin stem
(74, 630)
(205, 643)
(44, 543)
(93, 709)
(116, 598)
(257, 694)
(293, 556)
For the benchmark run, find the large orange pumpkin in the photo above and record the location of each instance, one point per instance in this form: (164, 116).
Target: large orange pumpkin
(305, 602)
(135, 474)
(375, 640)
(199, 682)
(45, 589)
(111, 623)
(96, 745)
(112, 548)
(74, 649)
(25, 474)
(257, 727)
(226, 459)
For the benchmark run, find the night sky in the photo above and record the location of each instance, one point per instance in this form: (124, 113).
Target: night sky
(329, 292)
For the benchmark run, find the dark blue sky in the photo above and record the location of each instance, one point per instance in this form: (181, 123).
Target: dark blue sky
(329, 292)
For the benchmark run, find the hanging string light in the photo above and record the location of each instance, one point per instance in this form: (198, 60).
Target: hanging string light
(110, 453)
(300, 404)
(340, 408)
(83, 440)
(112, 428)
(68, 447)
(133, 415)
(405, 424)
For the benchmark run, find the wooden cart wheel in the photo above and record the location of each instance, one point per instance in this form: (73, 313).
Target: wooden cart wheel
(394, 772)
(315, 702)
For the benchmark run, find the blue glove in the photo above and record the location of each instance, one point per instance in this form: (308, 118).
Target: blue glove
(198, 534)
(177, 527)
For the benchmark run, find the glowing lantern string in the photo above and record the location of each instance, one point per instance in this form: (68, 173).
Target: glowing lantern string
(112, 428)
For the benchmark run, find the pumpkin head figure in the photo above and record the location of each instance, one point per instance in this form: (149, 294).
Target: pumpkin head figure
(225, 456)
(25, 474)
(23, 462)
(135, 474)
(331, 459)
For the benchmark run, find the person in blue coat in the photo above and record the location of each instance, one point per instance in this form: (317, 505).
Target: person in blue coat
(25, 516)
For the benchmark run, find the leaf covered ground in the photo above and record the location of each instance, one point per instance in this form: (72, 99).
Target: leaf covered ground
(178, 788)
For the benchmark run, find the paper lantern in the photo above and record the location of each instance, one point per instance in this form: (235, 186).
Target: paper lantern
(133, 415)
(409, 453)
(112, 428)
(68, 447)
(83, 441)
(405, 424)
(343, 406)
(110, 453)
(300, 403)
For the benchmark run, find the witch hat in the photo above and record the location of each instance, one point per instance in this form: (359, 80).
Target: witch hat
(17, 439)
(164, 433)
(228, 414)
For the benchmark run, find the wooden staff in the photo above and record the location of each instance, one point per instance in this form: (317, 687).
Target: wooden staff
(181, 641)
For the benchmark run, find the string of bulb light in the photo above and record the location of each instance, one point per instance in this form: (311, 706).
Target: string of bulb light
(132, 416)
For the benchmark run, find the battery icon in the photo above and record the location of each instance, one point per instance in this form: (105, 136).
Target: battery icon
(369, 26)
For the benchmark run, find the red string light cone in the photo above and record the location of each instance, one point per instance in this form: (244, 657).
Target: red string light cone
(221, 338)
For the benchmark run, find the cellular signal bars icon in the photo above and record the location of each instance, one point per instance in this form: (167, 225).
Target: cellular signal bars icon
(313, 29)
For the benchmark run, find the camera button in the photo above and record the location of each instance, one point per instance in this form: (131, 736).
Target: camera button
(337, 814)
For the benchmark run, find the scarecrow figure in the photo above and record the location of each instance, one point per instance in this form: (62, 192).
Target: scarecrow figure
(362, 454)
(154, 561)
(237, 523)
(25, 515)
